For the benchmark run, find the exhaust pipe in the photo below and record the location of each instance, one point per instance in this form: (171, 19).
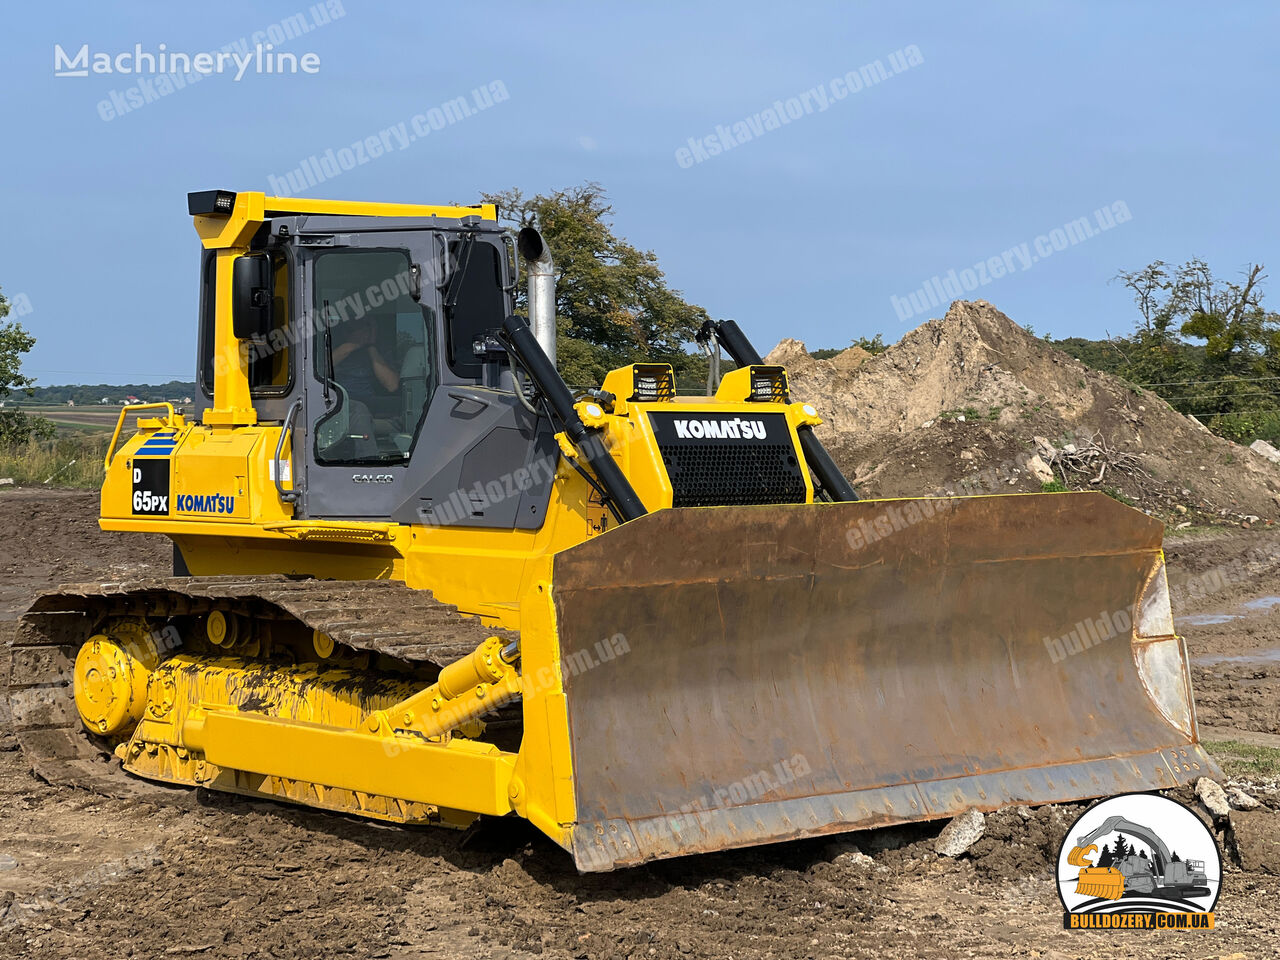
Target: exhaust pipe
(542, 289)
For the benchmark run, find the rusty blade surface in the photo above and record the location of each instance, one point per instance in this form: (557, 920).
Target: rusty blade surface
(796, 670)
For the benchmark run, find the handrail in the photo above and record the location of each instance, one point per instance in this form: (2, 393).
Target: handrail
(124, 413)
(286, 496)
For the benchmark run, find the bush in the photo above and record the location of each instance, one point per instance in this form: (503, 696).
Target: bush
(73, 460)
(1052, 486)
(17, 428)
(1248, 427)
(873, 346)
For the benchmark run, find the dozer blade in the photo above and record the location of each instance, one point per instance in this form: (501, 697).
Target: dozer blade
(810, 669)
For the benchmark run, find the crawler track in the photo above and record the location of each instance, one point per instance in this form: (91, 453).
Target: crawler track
(381, 617)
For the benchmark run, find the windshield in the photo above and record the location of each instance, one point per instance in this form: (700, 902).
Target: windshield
(373, 354)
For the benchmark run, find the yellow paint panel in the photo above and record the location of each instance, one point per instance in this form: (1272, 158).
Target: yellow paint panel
(464, 774)
(211, 478)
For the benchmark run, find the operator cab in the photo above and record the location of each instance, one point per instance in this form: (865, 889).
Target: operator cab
(374, 340)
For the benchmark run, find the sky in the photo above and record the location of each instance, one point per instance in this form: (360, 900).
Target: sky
(985, 131)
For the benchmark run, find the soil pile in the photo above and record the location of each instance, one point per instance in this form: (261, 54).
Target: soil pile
(958, 404)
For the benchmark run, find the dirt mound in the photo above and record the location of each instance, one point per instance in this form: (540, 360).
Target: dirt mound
(1021, 842)
(792, 354)
(956, 406)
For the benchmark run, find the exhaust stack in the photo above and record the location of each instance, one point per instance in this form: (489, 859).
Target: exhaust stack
(542, 289)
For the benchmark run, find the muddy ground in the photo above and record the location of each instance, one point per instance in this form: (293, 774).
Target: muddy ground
(213, 876)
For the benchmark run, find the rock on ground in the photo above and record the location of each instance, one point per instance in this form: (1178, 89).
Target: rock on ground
(1040, 470)
(960, 834)
(855, 858)
(1213, 797)
(1240, 800)
(1266, 449)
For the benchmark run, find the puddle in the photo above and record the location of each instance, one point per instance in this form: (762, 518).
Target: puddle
(1207, 619)
(1248, 608)
(1265, 655)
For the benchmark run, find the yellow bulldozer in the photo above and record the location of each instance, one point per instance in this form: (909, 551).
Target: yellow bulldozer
(418, 578)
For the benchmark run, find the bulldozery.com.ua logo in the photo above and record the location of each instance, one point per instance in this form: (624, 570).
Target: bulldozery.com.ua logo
(1139, 861)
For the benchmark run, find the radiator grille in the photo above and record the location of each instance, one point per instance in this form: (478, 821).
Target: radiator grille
(710, 471)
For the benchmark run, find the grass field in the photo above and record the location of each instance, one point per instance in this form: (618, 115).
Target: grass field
(1244, 759)
(76, 419)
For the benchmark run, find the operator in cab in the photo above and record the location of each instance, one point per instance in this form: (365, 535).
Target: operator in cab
(366, 375)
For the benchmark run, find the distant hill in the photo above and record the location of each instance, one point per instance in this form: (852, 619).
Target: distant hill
(115, 393)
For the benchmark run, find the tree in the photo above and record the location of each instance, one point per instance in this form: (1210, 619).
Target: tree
(1152, 292)
(1122, 848)
(1206, 345)
(1240, 335)
(15, 425)
(1106, 858)
(613, 304)
(873, 346)
(1175, 858)
(1161, 294)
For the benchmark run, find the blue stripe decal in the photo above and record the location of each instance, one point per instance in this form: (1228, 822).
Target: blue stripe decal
(159, 444)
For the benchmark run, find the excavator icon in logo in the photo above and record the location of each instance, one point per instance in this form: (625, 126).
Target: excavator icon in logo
(1141, 861)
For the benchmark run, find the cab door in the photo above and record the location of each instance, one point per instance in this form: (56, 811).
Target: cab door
(370, 373)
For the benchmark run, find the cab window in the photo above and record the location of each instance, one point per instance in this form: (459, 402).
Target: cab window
(270, 361)
(474, 302)
(205, 366)
(374, 357)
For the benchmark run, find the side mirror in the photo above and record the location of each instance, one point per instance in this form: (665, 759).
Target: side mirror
(251, 296)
